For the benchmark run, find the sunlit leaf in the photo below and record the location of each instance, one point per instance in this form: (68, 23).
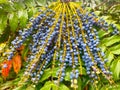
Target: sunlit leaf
(23, 17)
(116, 68)
(13, 21)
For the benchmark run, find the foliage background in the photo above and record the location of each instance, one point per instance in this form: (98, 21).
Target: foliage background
(15, 14)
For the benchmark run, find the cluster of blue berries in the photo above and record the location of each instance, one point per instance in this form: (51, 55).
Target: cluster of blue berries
(66, 36)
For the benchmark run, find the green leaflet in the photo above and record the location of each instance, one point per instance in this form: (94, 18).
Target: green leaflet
(13, 21)
(63, 87)
(30, 88)
(51, 86)
(115, 67)
(48, 73)
(41, 2)
(48, 86)
(79, 84)
(103, 48)
(110, 40)
(23, 17)
(116, 51)
(102, 33)
(3, 22)
(30, 3)
(19, 5)
(110, 57)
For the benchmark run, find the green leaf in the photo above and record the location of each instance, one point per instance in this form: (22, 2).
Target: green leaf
(19, 5)
(114, 47)
(3, 22)
(48, 73)
(30, 88)
(102, 33)
(25, 52)
(67, 76)
(30, 3)
(111, 40)
(115, 67)
(23, 17)
(20, 88)
(116, 51)
(3, 1)
(97, 12)
(103, 48)
(32, 11)
(110, 57)
(6, 85)
(8, 7)
(41, 2)
(63, 87)
(85, 81)
(79, 83)
(47, 86)
(118, 26)
(13, 21)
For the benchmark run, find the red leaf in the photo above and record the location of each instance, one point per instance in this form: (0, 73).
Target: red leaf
(17, 63)
(6, 68)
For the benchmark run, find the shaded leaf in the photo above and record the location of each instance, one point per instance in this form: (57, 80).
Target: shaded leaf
(3, 22)
(48, 73)
(79, 83)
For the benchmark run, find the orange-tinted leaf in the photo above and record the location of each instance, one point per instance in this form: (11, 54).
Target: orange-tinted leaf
(9, 64)
(25, 58)
(6, 66)
(17, 63)
(21, 48)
